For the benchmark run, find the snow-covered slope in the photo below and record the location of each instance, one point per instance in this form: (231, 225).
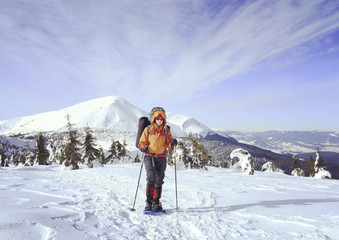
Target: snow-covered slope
(109, 113)
(45, 203)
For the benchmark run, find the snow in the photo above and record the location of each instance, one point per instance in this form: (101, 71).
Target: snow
(110, 112)
(319, 171)
(271, 167)
(245, 162)
(106, 112)
(44, 202)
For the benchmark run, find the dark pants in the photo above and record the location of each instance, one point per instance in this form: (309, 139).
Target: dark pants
(156, 173)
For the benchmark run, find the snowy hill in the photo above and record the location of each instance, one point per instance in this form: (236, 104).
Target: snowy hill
(44, 202)
(293, 142)
(101, 113)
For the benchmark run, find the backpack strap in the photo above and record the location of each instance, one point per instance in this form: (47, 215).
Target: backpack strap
(166, 128)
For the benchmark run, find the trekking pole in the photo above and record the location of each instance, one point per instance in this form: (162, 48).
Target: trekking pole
(175, 176)
(136, 192)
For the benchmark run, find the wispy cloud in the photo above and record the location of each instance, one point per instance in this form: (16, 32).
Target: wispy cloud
(153, 49)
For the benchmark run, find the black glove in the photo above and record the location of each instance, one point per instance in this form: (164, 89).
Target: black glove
(144, 149)
(174, 142)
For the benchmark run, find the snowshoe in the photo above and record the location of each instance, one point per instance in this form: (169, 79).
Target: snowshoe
(154, 212)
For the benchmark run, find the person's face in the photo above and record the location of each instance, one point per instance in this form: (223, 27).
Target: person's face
(159, 121)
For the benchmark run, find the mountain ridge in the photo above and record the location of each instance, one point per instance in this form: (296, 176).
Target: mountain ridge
(106, 112)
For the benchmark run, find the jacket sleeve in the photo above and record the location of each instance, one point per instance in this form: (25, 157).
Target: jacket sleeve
(169, 140)
(143, 141)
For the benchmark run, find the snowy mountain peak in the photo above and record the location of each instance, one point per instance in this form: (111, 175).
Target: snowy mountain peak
(110, 112)
(106, 112)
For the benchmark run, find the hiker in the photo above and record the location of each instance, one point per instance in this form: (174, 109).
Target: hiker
(154, 142)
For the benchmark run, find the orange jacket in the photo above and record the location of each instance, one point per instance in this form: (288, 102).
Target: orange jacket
(156, 140)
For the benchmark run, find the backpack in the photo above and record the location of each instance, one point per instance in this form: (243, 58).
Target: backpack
(143, 123)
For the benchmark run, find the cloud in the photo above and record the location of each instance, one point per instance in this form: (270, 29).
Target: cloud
(151, 49)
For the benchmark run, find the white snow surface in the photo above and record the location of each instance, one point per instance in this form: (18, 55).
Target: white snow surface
(43, 202)
(111, 112)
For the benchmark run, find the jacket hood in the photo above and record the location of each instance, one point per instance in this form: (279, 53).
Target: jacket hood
(156, 115)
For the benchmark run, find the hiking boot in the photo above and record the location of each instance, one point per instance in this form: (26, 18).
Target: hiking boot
(149, 205)
(157, 205)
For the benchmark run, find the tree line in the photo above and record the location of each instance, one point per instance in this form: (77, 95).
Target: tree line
(70, 154)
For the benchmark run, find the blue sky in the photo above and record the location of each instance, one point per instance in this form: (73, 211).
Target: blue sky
(236, 65)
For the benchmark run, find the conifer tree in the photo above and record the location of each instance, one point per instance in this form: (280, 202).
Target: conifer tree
(3, 159)
(113, 151)
(309, 169)
(320, 163)
(102, 156)
(198, 154)
(41, 152)
(296, 169)
(296, 163)
(185, 157)
(90, 152)
(71, 157)
(28, 156)
(22, 159)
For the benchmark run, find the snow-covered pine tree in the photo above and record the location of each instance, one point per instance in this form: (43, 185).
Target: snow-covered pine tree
(198, 154)
(121, 149)
(102, 156)
(113, 152)
(71, 157)
(185, 156)
(29, 156)
(22, 160)
(117, 151)
(320, 167)
(41, 153)
(319, 162)
(245, 162)
(90, 153)
(296, 169)
(270, 167)
(182, 154)
(309, 168)
(3, 159)
(296, 163)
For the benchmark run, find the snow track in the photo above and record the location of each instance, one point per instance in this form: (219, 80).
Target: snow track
(47, 203)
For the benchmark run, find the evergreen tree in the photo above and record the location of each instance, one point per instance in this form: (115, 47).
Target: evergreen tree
(121, 149)
(113, 151)
(319, 163)
(296, 163)
(102, 156)
(90, 152)
(184, 154)
(41, 152)
(198, 156)
(71, 156)
(22, 160)
(309, 169)
(3, 159)
(28, 156)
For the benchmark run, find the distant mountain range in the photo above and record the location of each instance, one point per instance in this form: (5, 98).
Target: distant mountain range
(114, 118)
(108, 115)
(289, 142)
